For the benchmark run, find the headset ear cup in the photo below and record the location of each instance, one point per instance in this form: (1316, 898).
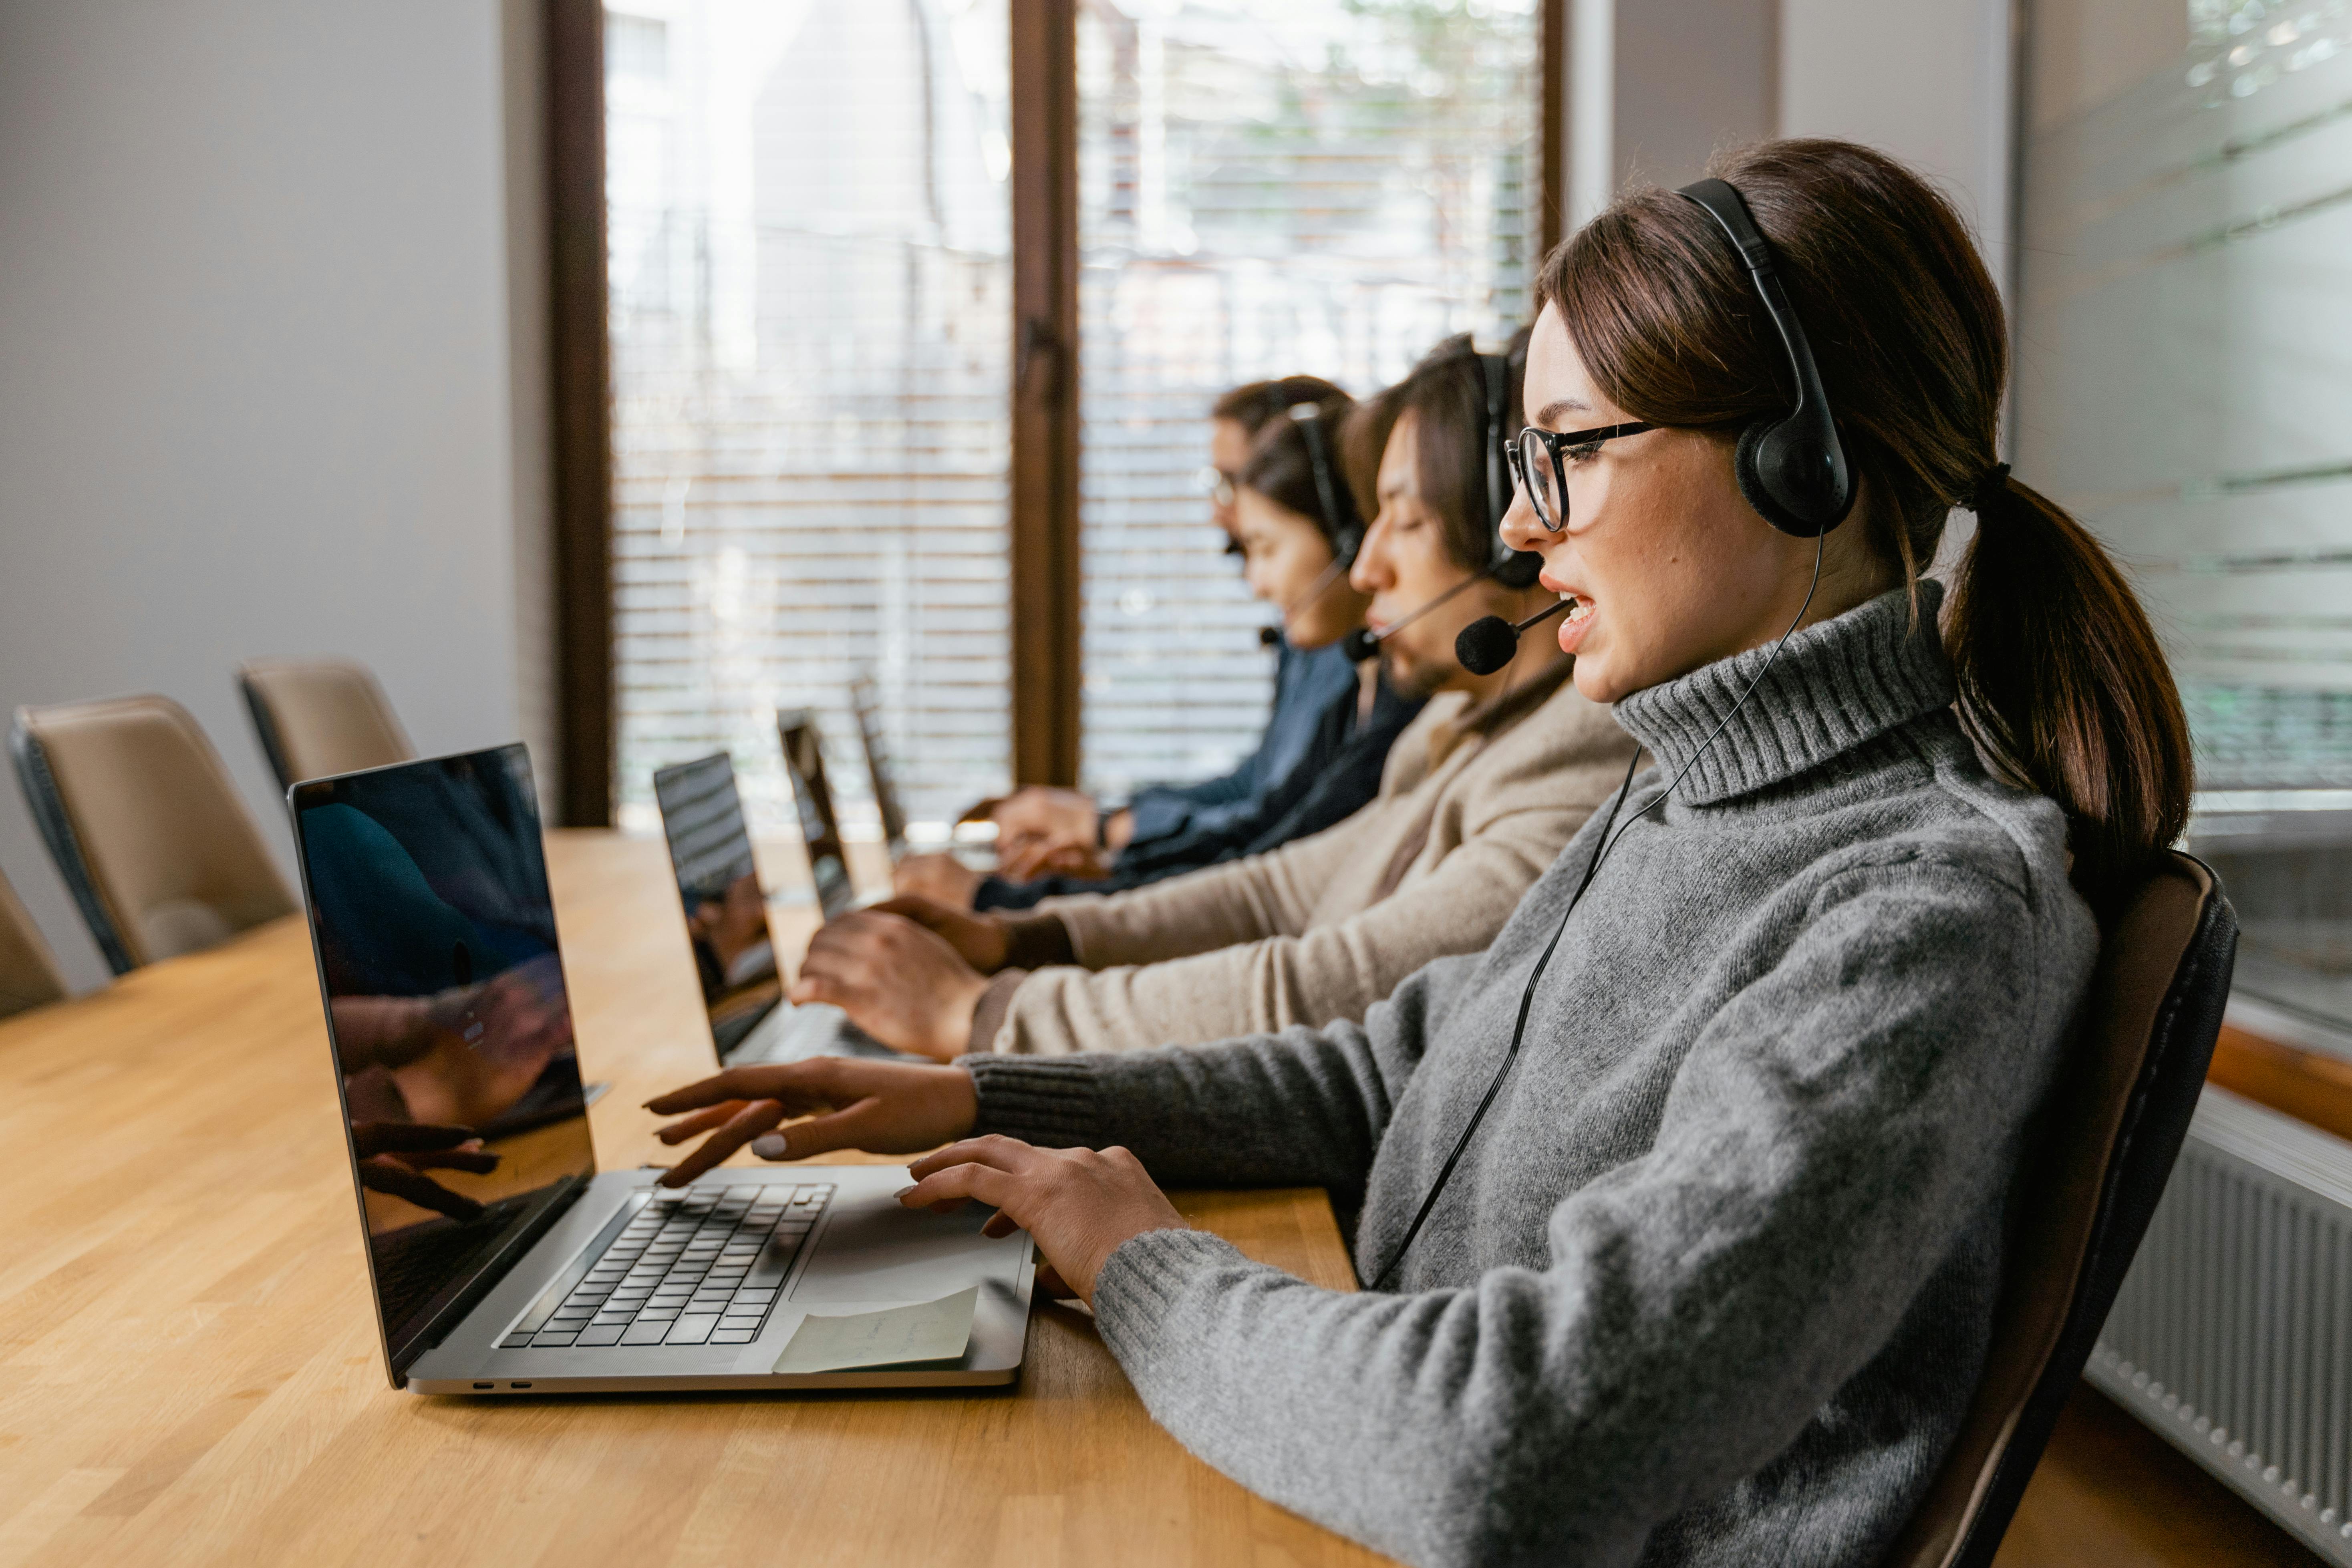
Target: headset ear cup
(1748, 467)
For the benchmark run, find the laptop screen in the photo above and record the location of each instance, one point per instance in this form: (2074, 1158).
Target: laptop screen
(719, 888)
(820, 827)
(867, 710)
(426, 885)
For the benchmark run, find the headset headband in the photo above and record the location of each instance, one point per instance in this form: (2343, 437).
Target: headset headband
(1345, 539)
(1792, 469)
(1512, 568)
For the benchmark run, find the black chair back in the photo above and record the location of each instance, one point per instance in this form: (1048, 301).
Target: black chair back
(2101, 1152)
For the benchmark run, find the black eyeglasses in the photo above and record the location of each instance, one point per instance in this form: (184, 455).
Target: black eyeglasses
(1536, 465)
(1216, 484)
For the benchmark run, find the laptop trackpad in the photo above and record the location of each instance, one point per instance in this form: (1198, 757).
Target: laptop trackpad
(892, 1254)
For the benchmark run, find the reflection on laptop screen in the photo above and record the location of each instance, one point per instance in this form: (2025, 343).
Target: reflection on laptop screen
(718, 885)
(820, 828)
(867, 708)
(427, 885)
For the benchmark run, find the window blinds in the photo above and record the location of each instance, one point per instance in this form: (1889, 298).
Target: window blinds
(2185, 367)
(811, 305)
(1321, 186)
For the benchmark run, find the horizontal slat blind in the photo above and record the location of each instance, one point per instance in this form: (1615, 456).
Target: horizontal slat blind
(2185, 359)
(811, 329)
(1316, 187)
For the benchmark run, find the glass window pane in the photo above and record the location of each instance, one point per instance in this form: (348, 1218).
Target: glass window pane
(2185, 383)
(1321, 186)
(810, 297)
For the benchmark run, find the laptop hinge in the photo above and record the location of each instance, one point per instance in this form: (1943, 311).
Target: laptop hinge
(518, 1239)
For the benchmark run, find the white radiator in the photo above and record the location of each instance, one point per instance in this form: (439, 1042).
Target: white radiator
(2232, 1333)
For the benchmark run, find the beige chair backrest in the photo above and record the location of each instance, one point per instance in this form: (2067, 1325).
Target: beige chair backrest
(27, 978)
(145, 826)
(318, 717)
(2098, 1157)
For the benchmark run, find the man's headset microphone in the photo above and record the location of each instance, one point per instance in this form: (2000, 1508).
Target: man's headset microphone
(1792, 471)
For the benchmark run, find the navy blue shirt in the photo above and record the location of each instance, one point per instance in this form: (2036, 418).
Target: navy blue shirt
(1336, 776)
(1304, 685)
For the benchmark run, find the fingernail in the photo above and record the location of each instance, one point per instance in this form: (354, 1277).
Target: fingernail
(902, 1192)
(768, 1145)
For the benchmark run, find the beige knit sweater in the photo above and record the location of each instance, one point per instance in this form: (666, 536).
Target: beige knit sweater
(1473, 807)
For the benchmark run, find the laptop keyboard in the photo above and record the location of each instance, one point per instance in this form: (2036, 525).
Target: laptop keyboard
(698, 1266)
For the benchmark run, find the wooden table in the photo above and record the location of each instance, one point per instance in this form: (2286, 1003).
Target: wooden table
(189, 1371)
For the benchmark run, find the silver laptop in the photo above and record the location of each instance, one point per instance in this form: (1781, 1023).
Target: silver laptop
(726, 912)
(866, 708)
(502, 1260)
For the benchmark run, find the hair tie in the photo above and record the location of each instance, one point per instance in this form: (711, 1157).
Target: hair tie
(1989, 489)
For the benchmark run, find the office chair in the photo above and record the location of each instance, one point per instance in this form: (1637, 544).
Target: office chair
(2099, 1153)
(320, 716)
(28, 976)
(144, 827)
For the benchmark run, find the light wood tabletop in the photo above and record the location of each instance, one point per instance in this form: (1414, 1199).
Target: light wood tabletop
(189, 1369)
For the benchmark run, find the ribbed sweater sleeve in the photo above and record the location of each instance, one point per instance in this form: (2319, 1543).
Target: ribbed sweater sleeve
(1472, 837)
(1304, 1108)
(1837, 1125)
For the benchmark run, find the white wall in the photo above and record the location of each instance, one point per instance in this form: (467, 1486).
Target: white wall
(1654, 90)
(1927, 80)
(259, 372)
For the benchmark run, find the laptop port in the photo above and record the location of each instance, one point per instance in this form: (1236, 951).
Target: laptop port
(518, 1385)
(485, 1385)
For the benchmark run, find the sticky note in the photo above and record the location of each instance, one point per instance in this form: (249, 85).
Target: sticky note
(929, 1331)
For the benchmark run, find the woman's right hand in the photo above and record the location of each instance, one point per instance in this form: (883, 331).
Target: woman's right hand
(884, 1108)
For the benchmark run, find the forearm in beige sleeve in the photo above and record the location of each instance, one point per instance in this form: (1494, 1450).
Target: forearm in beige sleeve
(1217, 906)
(1336, 972)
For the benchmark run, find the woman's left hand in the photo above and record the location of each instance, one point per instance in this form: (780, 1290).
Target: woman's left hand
(1077, 1205)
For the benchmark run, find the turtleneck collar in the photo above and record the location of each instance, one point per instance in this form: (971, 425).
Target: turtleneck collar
(1835, 686)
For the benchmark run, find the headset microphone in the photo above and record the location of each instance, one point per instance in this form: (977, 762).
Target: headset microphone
(1363, 642)
(1487, 644)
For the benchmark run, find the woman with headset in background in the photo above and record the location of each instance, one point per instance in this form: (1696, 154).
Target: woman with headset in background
(1478, 794)
(1691, 1188)
(1298, 524)
(1043, 830)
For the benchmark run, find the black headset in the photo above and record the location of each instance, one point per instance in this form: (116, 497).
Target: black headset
(1347, 537)
(1793, 472)
(1515, 569)
(1792, 469)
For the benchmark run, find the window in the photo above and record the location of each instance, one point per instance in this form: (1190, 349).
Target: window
(2185, 330)
(819, 418)
(810, 282)
(1321, 186)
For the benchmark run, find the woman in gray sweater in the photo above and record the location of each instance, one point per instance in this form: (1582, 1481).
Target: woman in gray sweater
(1738, 1093)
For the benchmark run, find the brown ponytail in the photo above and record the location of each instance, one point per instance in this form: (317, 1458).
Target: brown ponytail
(2064, 687)
(2063, 683)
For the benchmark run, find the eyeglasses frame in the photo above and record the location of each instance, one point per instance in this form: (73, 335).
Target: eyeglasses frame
(1552, 445)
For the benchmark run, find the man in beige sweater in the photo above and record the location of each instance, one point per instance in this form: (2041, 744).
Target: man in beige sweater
(1479, 795)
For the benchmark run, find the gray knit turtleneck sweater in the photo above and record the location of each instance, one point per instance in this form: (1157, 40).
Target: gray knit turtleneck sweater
(1713, 1283)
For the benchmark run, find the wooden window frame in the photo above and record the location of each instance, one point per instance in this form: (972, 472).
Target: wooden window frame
(581, 401)
(1047, 685)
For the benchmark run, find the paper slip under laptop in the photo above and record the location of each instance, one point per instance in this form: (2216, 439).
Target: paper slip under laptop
(931, 1331)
